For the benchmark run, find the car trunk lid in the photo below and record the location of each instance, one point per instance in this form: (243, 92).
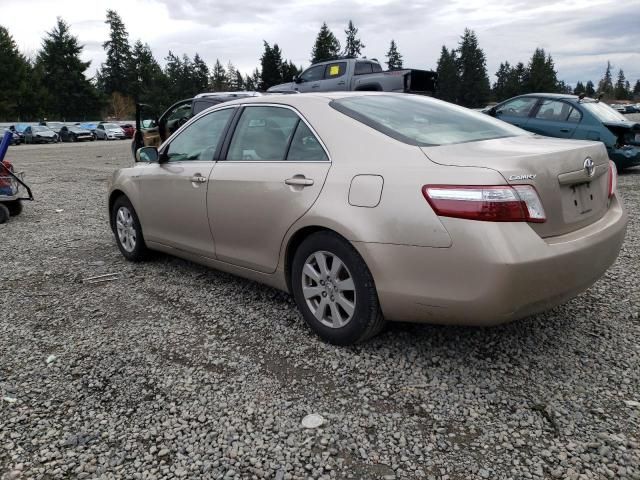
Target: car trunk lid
(573, 196)
(627, 133)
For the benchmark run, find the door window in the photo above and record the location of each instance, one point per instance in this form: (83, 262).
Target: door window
(554, 110)
(313, 74)
(335, 70)
(518, 107)
(362, 68)
(263, 133)
(199, 140)
(574, 116)
(305, 146)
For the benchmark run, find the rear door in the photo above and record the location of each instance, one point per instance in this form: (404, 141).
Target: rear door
(174, 192)
(517, 110)
(274, 170)
(554, 118)
(335, 77)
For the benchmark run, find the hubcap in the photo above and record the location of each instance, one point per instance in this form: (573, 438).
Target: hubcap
(328, 288)
(126, 230)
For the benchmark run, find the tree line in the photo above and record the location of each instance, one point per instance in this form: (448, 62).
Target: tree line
(53, 83)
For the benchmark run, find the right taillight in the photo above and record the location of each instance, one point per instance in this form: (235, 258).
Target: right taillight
(500, 203)
(613, 178)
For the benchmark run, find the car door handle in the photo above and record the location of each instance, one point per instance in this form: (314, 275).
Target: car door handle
(315, 86)
(341, 83)
(564, 130)
(197, 178)
(299, 181)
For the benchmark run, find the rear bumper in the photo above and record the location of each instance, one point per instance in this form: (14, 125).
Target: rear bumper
(493, 273)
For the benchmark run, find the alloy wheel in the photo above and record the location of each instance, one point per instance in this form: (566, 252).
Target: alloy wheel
(126, 229)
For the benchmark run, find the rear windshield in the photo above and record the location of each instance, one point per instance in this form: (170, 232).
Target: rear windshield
(423, 121)
(604, 112)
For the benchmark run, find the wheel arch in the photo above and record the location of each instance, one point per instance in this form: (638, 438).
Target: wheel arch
(113, 196)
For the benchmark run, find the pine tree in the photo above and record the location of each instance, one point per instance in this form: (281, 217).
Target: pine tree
(200, 75)
(448, 79)
(515, 83)
(58, 67)
(326, 47)
(502, 77)
(232, 78)
(271, 64)
(115, 73)
(605, 86)
(252, 82)
(14, 75)
(149, 81)
(472, 68)
(636, 88)
(579, 89)
(590, 90)
(620, 91)
(541, 75)
(354, 46)
(289, 70)
(239, 83)
(394, 59)
(219, 78)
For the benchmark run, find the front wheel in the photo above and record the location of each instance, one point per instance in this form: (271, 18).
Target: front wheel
(4, 213)
(128, 231)
(335, 291)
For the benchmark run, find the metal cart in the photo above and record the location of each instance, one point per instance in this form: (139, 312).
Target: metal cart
(11, 185)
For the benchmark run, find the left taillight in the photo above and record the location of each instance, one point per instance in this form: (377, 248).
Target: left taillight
(613, 178)
(499, 203)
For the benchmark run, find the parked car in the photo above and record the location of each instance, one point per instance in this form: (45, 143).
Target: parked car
(40, 134)
(370, 207)
(128, 130)
(73, 133)
(568, 116)
(15, 138)
(19, 129)
(359, 74)
(109, 131)
(152, 130)
(55, 126)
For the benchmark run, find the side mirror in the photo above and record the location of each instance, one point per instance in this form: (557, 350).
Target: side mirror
(493, 111)
(147, 154)
(149, 123)
(297, 79)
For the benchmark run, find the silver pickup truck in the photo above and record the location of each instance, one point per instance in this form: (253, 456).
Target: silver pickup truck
(361, 74)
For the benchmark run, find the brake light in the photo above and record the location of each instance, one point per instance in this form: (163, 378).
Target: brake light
(518, 203)
(613, 178)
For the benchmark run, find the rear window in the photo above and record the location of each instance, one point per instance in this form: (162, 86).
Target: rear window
(423, 121)
(604, 112)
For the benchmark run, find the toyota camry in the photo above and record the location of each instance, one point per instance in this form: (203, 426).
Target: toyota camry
(373, 207)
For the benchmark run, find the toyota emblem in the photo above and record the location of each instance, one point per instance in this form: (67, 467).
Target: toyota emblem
(589, 167)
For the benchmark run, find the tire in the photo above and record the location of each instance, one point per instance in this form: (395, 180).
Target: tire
(14, 207)
(4, 213)
(73, 138)
(360, 295)
(130, 240)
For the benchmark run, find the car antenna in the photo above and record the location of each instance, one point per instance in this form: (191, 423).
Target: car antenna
(581, 97)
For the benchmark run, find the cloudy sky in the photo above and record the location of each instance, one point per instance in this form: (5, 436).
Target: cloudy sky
(581, 35)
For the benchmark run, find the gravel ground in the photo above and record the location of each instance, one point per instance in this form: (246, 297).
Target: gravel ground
(173, 370)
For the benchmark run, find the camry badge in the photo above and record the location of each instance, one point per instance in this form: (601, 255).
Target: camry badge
(589, 167)
(523, 177)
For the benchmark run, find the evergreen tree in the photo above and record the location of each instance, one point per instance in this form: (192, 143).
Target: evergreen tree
(472, 68)
(252, 82)
(173, 72)
(636, 88)
(394, 59)
(219, 78)
(515, 83)
(289, 70)
(149, 83)
(580, 89)
(354, 46)
(627, 87)
(563, 87)
(232, 78)
(590, 90)
(327, 46)
(541, 73)
(620, 91)
(69, 95)
(115, 75)
(14, 75)
(502, 77)
(605, 86)
(448, 79)
(200, 75)
(239, 83)
(271, 64)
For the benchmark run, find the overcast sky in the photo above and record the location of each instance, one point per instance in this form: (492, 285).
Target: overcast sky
(581, 35)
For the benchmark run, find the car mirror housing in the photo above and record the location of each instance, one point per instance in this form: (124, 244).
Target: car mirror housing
(297, 79)
(147, 155)
(493, 111)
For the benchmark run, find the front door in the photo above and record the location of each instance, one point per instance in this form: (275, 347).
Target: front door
(174, 191)
(554, 118)
(310, 79)
(274, 170)
(516, 111)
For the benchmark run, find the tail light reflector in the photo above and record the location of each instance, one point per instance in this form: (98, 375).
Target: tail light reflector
(613, 178)
(503, 203)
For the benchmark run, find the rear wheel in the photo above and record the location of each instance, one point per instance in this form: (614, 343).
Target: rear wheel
(128, 231)
(334, 290)
(14, 207)
(4, 213)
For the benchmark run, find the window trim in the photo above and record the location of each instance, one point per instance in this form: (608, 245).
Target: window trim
(232, 129)
(327, 67)
(534, 109)
(319, 67)
(162, 151)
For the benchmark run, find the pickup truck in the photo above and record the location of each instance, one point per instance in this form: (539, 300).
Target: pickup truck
(359, 74)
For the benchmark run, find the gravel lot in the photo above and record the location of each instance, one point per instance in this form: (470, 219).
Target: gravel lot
(173, 370)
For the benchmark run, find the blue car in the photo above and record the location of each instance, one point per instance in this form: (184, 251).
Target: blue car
(579, 118)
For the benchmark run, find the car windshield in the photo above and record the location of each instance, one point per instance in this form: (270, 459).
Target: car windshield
(604, 112)
(111, 126)
(423, 121)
